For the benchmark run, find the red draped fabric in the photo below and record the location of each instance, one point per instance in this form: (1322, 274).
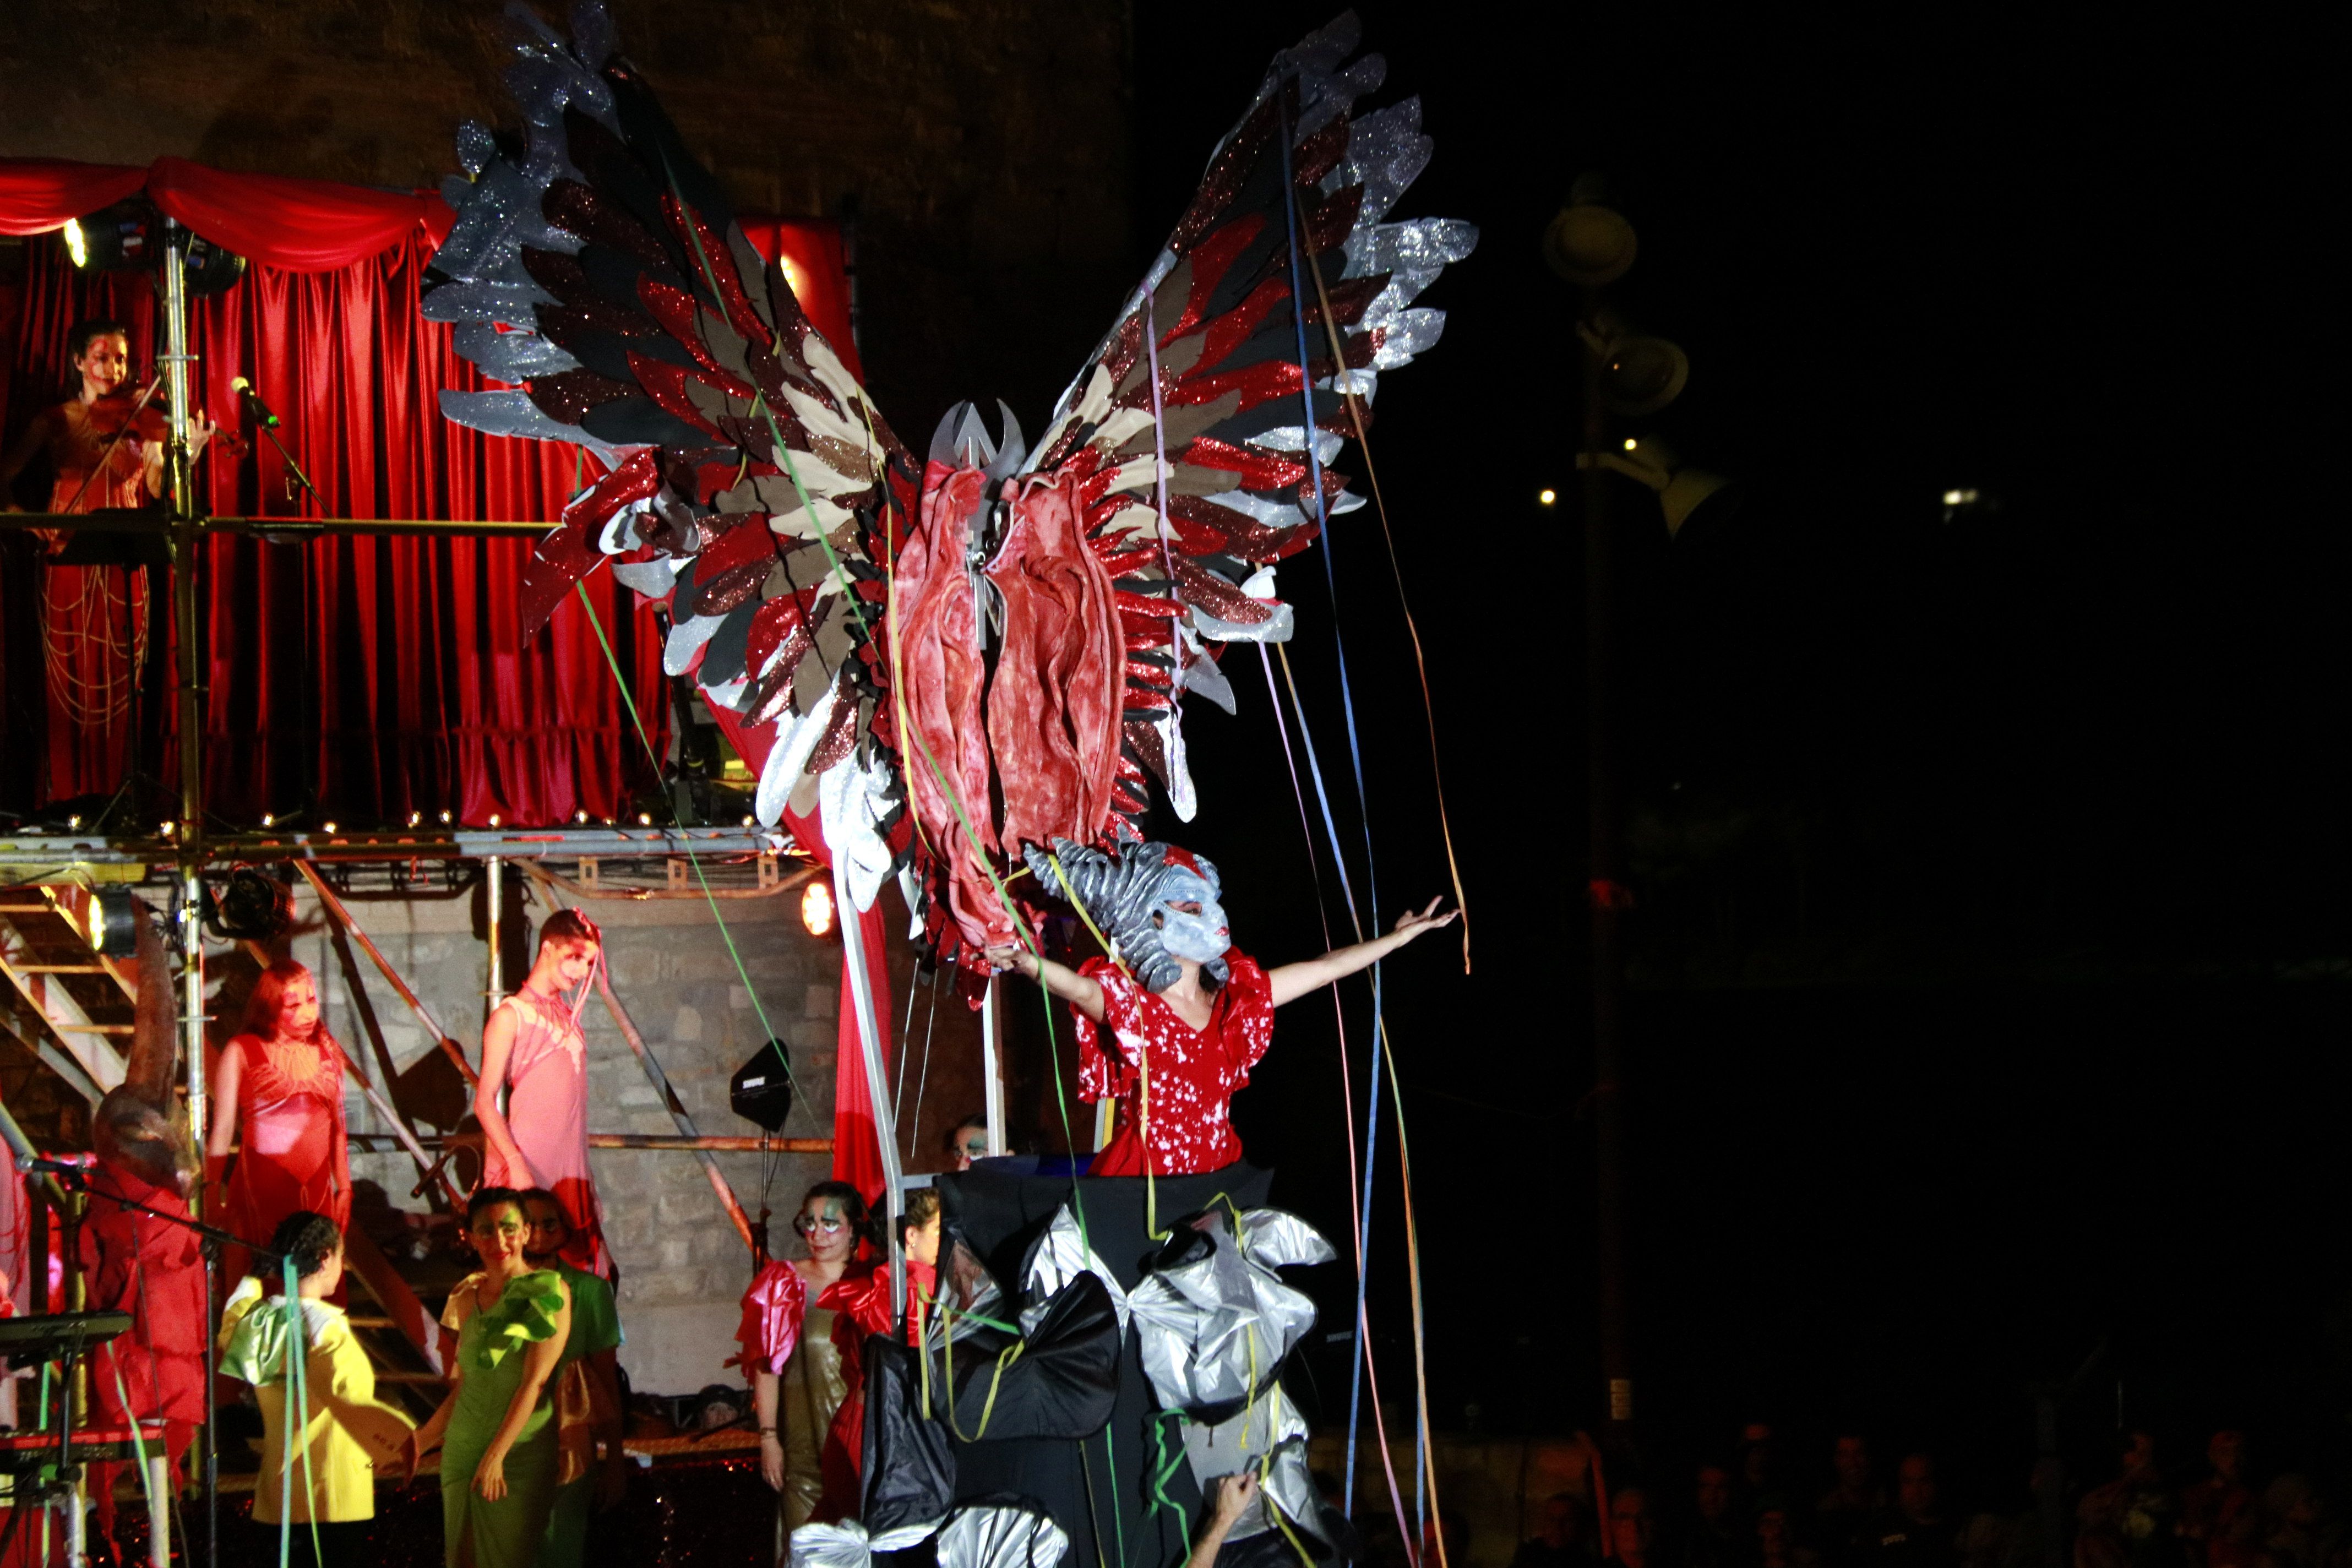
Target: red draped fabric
(366, 677)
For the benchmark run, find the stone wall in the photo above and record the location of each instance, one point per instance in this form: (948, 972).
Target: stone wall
(683, 1267)
(983, 145)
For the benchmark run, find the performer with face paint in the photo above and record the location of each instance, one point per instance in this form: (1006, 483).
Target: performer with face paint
(1186, 1016)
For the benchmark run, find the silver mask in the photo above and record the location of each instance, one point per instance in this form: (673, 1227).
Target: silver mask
(1131, 894)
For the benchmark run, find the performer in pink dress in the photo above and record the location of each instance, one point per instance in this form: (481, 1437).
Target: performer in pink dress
(279, 1091)
(532, 1049)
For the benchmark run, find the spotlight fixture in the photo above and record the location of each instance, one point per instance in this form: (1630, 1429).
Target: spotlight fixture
(1544, 498)
(415, 819)
(1682, 490)
(816, 908)
(251, 905)
(645, 819)
(1642, 376)
(493, 819)
(131, 236)
(1588, 243)
(328, 826)
(269, 819)
(444, 819)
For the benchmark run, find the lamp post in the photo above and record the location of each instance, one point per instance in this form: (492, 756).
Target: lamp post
(1591, 246)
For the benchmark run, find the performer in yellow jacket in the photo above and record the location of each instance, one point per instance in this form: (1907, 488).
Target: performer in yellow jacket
(333, 1497)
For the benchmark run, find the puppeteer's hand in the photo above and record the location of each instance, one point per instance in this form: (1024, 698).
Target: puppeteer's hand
(1018, 960)
(1412, 923)
(1234, 1493)
(771, 1460)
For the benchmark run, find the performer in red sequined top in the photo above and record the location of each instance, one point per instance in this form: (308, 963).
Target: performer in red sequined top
(1186, 1016)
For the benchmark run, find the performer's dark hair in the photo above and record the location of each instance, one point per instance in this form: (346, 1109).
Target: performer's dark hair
(922, 1207)
(569, 925)
(541, 1195)
(852, 1205)
(488, 1198)
(77, 341)
(309, 1239)
(953, 1144)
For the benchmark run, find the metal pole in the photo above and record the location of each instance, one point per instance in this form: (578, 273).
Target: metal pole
(494, 887)
(342, 917)
(186, 529)
(1607, 896)
(878, 1082)
(992, 1066)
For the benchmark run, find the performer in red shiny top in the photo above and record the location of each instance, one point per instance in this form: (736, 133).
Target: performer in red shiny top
(279, 1094)
(1187, 1016)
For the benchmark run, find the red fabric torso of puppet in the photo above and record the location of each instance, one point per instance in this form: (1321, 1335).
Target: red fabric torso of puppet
(1054, 709)
(941, 673)
(1174, 1084)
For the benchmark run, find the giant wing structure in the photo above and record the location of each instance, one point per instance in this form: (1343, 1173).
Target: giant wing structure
(1293, 206)
(599, 269)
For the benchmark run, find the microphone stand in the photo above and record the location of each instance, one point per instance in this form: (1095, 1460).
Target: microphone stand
(267, 423)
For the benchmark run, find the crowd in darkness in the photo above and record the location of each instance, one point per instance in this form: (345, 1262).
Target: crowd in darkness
(1743, 1512)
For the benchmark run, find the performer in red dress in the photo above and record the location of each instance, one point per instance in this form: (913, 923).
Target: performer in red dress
(802, 1337)
(278, 1089)
(1186, 1016)
(94, 620)
(534, 1048)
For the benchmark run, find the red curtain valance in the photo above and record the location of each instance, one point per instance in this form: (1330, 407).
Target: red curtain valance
(317, 225)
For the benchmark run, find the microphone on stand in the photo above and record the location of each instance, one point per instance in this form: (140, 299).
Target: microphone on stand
(253, 404)
(73, 1164)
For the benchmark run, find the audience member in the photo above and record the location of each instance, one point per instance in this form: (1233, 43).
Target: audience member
(1633, 1531)
(1716, 1539)
(2219, 1525)
(1847, 1519)
(1564, 1541)
(2304, 1531)
(1916, 1534)
(2131, 1522)
(1776, 1542)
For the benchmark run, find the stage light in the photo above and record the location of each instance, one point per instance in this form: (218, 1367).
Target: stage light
(73, 824)
(761, 1089)
(816, 908)
(127, 235)
(493, 819)
(328, 826)
(252, 907)
(1632, 445)
(444, 819)
(268, 818)
(166, 829)
(1642, 376)
(1682, 490)
(1587, 243)
(415, 819)
(750, 822)
(1545, 498)
(645, 819)
(579, 818)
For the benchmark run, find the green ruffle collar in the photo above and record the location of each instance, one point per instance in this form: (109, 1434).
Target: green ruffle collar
(525, 1314)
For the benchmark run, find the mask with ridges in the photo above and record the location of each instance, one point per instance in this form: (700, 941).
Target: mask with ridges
(1131, 897)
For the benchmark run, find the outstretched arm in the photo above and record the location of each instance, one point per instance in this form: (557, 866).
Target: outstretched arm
(1292, 981)
(1060, 978)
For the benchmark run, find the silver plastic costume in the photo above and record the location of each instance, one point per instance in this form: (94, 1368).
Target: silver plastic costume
(1132, 894)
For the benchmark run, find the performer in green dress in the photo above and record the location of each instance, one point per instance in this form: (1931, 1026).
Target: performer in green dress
(496, 1429)
(587, 1391)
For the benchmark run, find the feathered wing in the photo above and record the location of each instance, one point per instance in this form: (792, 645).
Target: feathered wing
(1240, 489)
(601, 271)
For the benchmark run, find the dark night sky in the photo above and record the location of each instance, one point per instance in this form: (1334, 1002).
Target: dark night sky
(1975, 858)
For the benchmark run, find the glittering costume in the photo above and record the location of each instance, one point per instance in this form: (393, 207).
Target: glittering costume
(1174, 1084)
(547, 1113)
(293, 1153)
(506, 1534)
(819, 575)
(814, 1352)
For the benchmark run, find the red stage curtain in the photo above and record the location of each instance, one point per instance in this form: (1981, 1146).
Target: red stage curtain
(366, 677)
(383, 672)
